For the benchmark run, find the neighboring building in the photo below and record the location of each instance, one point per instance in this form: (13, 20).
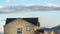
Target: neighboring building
(48, 31)
(22, 26)
(52, 32)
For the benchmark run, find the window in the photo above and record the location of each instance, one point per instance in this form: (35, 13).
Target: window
(19, 31)
(27, 28)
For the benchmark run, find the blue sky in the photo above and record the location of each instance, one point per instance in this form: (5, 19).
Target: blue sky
(47, 18)
(25, 2)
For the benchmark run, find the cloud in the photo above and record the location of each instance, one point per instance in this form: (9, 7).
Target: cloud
(52, 5)
(1, 6)
(31, 7)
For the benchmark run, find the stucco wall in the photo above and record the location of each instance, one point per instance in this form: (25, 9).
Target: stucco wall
(11, 28)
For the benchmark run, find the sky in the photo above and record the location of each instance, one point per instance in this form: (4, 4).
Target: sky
(48, 11)
(28, 2)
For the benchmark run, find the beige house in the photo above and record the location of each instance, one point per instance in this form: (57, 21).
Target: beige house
(52, 32)
(22, 26)
(49, 31)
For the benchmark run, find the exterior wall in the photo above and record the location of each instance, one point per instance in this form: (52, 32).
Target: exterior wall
(36, 27)
(11, 28)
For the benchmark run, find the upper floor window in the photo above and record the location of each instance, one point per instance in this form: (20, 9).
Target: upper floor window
(19, 31)
(27, 28)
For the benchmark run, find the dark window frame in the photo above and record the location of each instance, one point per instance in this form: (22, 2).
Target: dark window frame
(19, 31)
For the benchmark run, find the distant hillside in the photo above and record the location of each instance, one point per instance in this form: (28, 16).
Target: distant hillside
(45, 28)
(53, 28)
(56, 27)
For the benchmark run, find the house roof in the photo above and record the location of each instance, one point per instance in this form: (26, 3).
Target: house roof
(30, 20)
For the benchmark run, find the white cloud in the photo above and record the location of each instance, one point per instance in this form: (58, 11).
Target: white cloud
(52, 5)
(48, 5)
(1, 6)
(30, 7)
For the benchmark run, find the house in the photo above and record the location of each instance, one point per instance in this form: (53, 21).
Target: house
(52, 32)
(48, 30)
(22, 26)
